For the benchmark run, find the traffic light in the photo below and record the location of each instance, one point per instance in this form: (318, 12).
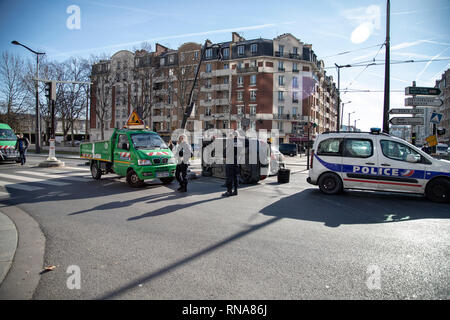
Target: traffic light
(413, 138)
(50, 90)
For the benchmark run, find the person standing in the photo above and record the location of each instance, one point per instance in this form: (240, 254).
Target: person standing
(231, 166)
(182, 154)
(22, 146)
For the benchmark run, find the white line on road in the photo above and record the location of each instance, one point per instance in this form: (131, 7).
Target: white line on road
(28, 179)
(23, 187)
(53, 176)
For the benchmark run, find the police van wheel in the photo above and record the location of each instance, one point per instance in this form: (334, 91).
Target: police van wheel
(330, 183)
(95, 171)
(438, 190)
(133, 179)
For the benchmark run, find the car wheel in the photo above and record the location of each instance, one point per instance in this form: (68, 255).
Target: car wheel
(330, 183)
(166, 180)
(95, 171)
(133, 179)
(438, 190)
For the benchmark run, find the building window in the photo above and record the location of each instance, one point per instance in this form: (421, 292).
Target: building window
(226, 53)
(280, 125)
(280, 96)
(294, 111)
(118, 65)
(281, 80)
(225, 80)
(295, 50)
(208, 96)
(196, 54)
(240, 81)
(172, 58)
(253, 63)
(239, 110)
(253, 95)
(281, 50)
(239, 65)
(294, 82)
(295, 97)
(240, 96)
(208, 83)
(226, 66)
(162, 61)
(208, 112)
(208, 53)
(253, 110)
(254, 48)
(280, 66)
(208, 67)
(241, 50)
(295, 67)
(253, 79)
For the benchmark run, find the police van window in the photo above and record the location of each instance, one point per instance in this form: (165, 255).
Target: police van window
(358, 148)
(329, 147)
(397, 151)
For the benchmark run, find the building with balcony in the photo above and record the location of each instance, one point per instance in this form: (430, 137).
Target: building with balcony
(276, 84)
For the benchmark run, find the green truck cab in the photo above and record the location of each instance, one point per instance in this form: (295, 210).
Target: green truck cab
(8, 141)
(137, 155)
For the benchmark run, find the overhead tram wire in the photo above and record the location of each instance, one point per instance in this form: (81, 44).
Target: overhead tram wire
(396, 62)
(350, 51)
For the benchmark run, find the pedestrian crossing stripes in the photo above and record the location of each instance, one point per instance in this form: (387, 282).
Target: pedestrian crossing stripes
(53, 176)
(29, 179)
(23, 187)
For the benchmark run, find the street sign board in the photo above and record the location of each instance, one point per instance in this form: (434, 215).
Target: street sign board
(417, 121)
(407, 111)
(423, 101)
(436, 117)
(424, 91)
(432, 141)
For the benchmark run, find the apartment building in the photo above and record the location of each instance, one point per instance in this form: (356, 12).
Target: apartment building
(260, 84)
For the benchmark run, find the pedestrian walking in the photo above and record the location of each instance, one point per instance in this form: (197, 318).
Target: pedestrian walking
(182, 153)
(22, 146)
(231, 165)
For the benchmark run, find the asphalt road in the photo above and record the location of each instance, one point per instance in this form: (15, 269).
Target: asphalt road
(272, 241)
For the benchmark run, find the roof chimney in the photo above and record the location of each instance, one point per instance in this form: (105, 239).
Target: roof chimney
(236, 37)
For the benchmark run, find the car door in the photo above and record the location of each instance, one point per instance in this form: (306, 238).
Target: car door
(328, 156)
(122, 155)
(359, 163)
(396, 172)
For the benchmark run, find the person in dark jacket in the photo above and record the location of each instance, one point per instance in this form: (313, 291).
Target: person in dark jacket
(182, 153)
(22, 146)
(231, 166)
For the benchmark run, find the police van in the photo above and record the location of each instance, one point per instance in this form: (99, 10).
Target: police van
(376, 161)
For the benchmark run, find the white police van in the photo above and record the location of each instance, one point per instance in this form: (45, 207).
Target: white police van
(376, 161)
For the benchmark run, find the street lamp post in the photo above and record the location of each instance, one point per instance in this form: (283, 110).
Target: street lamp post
(342, 116)
(38, 116)
(354, 127)
(350, 113)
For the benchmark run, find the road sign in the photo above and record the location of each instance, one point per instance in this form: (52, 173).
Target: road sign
(432, 141)
(423, 101)
(407, 111)
(418, 121)
(436, 117)
(134, 121)
(424, 91)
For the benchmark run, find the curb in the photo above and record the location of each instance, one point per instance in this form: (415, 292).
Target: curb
(24, 274)
(8, 244)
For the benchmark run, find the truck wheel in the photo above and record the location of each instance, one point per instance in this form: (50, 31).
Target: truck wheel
(438, 190)
(95, 171)
(166, 180)
(133, 179)
(330, 183)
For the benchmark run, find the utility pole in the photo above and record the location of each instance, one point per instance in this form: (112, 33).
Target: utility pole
(387, 72)
(339, 95)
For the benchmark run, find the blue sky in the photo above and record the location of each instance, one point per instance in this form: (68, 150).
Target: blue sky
(420, 30)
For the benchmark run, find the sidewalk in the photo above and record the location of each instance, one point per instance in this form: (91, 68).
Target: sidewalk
(8, 244)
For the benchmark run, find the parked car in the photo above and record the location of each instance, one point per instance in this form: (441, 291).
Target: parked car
(289, 149)
(277, 161)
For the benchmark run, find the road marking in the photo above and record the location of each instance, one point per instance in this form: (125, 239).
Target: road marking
(67, 173)
(23, 187)
(28, 179)
(78, 168)
(53, 176)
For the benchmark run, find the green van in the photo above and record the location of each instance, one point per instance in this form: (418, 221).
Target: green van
(8, 140)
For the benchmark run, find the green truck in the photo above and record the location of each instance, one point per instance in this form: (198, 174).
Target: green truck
(135, 154)
(8, 141)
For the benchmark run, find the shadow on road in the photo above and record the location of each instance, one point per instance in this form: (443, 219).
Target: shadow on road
(355, 207)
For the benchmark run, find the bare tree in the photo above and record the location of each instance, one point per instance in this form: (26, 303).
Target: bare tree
(102, 87)
(14, 97)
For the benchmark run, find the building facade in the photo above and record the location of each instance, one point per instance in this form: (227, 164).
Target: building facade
(444, 85)
(276, 84)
